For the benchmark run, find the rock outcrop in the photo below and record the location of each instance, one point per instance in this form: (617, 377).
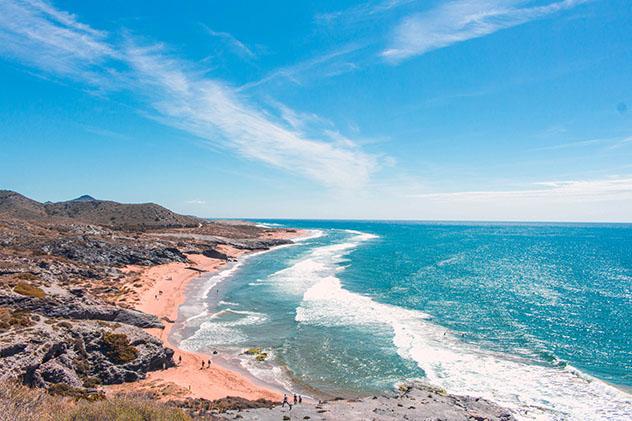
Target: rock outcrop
(417, 401)
(70, 306)
(94, 251)
(78, 353)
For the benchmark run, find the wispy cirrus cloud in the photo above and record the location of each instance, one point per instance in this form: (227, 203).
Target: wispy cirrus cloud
(331, 63)
(55, 42)
(461, 20)
(361, 13)
(607, 143)
(618, 188)
(39, 35)
(213, 111)
(409, 28)
(233, 43)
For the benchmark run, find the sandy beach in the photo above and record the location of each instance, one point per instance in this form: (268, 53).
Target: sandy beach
(161, 293)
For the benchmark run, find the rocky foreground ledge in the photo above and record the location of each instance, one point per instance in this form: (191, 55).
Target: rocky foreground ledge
(416, 401)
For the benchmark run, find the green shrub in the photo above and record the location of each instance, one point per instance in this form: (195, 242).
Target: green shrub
(118, 348)
(62, 389)
(91, 382)
(30, 290)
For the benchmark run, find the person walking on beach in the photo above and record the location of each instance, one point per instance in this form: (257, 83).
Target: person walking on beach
(300, 399)
(295, 399)
(179, 359)
(202, 364)
(284, 401)
(208, 365)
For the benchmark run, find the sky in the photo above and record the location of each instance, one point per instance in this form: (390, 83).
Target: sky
(511, 110)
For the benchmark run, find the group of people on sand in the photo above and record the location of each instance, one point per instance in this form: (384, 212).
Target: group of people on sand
(205, 364)
(297, 399)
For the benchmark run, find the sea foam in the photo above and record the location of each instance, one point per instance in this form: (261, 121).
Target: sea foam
(531, 390)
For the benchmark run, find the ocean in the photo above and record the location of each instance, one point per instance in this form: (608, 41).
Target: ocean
(536, 317)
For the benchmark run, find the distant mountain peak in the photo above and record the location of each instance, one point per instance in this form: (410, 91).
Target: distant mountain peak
(84, 198)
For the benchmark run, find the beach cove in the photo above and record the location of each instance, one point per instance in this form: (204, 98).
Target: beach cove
(163, 290)
(339, 316)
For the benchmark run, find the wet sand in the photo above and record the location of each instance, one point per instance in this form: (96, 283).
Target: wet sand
(161, 294)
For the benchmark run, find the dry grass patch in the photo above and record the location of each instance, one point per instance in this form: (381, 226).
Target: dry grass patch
(29, 290)
(18, 402)
(11, 318)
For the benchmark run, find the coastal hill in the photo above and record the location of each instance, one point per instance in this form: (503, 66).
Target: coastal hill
(87, 209)
(84, 198)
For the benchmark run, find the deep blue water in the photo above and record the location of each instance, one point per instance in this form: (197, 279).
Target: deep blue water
(533, 316)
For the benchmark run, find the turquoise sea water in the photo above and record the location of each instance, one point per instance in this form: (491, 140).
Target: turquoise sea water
(536, 317)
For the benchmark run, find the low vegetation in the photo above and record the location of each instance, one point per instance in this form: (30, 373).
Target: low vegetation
(230, 403)
(27, 276)
(19, 402)
(128, 409)
(29, 290)
(62, 389)
(118, 348)
(11, 318)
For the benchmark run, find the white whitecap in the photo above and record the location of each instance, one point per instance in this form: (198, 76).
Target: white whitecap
(532, 391)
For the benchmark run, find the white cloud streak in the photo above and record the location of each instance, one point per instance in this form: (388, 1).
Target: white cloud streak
(55, 42)
(332, 63)
(213, 111)
(360, 13)
(37, 34)
(610, 143)
(461, 20)
(549, 191)
(233, 43)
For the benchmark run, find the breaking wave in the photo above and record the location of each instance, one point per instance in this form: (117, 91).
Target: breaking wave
(531, 390)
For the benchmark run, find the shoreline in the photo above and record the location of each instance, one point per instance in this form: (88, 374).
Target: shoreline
(163, 290)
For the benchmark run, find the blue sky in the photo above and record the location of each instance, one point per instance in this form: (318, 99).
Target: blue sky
(464, 109)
